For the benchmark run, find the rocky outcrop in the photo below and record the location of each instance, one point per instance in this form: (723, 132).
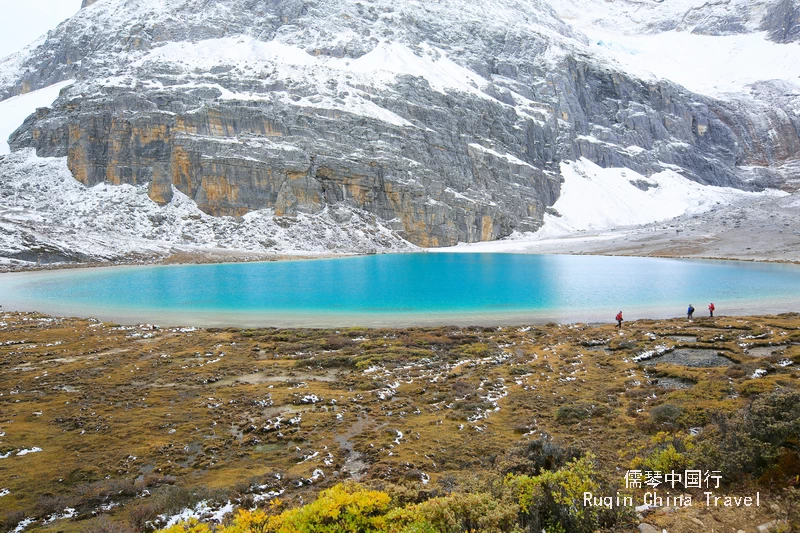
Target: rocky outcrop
(782, 21)
(235, 158)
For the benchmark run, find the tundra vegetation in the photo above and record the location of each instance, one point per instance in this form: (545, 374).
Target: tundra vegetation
(113, 428)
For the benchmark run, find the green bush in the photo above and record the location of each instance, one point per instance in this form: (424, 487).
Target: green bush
(665, 413)
(665, 452)
(570, 414)
(751, 440)
(534, 457)
(551, 501)
(456, 513)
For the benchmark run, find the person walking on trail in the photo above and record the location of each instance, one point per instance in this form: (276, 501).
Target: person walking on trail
(619, 320)
(690, 312)
(711, 309)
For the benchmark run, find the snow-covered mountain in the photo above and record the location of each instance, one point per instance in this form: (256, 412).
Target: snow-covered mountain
(379, 123)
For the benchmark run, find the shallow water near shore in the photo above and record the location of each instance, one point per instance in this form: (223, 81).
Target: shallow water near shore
(407, 289)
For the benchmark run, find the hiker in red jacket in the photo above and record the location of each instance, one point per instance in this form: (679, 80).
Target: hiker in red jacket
(619, 320)
(711, 309)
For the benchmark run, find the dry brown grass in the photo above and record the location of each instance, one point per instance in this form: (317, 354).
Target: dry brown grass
(123, 410)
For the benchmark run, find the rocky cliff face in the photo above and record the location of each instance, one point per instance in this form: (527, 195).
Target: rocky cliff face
(782, 21)
(447, 121)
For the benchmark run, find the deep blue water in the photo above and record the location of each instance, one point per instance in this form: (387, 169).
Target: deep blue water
(441, 284)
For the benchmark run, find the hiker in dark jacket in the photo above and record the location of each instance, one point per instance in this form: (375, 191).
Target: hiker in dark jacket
(690, 312)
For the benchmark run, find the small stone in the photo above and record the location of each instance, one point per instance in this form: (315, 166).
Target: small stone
(647, 528)
(740, 531)
(698, 522)
(768, 527)
(774, 508)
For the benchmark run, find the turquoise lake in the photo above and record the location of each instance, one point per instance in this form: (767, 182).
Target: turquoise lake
(407, 289)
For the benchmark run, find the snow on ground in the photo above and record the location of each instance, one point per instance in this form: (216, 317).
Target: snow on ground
(596, 199)
(29, 450)
(22, 525)
(714, 65)
(15, 110)
(45, 209)
(205, 511)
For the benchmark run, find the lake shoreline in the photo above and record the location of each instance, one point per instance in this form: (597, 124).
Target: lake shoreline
(407, 292)
(217, 257)
(235, 256)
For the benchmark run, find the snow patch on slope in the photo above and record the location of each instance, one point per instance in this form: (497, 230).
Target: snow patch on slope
(379, 67)
(508, 157)
(432, 64)
(337, 82)
(15, 110)
(712, 65)
(595, 198)
(241, 52)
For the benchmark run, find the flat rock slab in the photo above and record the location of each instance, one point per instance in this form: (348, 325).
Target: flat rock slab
(766, 351)
(682, 338)
(674, 383)
(698, 358)
(647, 528)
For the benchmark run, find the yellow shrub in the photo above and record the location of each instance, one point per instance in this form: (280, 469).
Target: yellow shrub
(474, 512)
(552, 500)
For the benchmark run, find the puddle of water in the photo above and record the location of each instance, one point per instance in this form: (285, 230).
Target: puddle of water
(289, 408)
(601, 349)
(682, 338)
(269, 448)
(193, 449)
(698, 358)
(353, 463)
(673, 383)
(270, 377)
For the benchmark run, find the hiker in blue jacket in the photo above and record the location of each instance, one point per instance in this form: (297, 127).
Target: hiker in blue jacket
(690, 312)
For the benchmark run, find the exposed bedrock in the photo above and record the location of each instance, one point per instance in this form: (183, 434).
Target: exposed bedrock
(782, 21)
(434, 187)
